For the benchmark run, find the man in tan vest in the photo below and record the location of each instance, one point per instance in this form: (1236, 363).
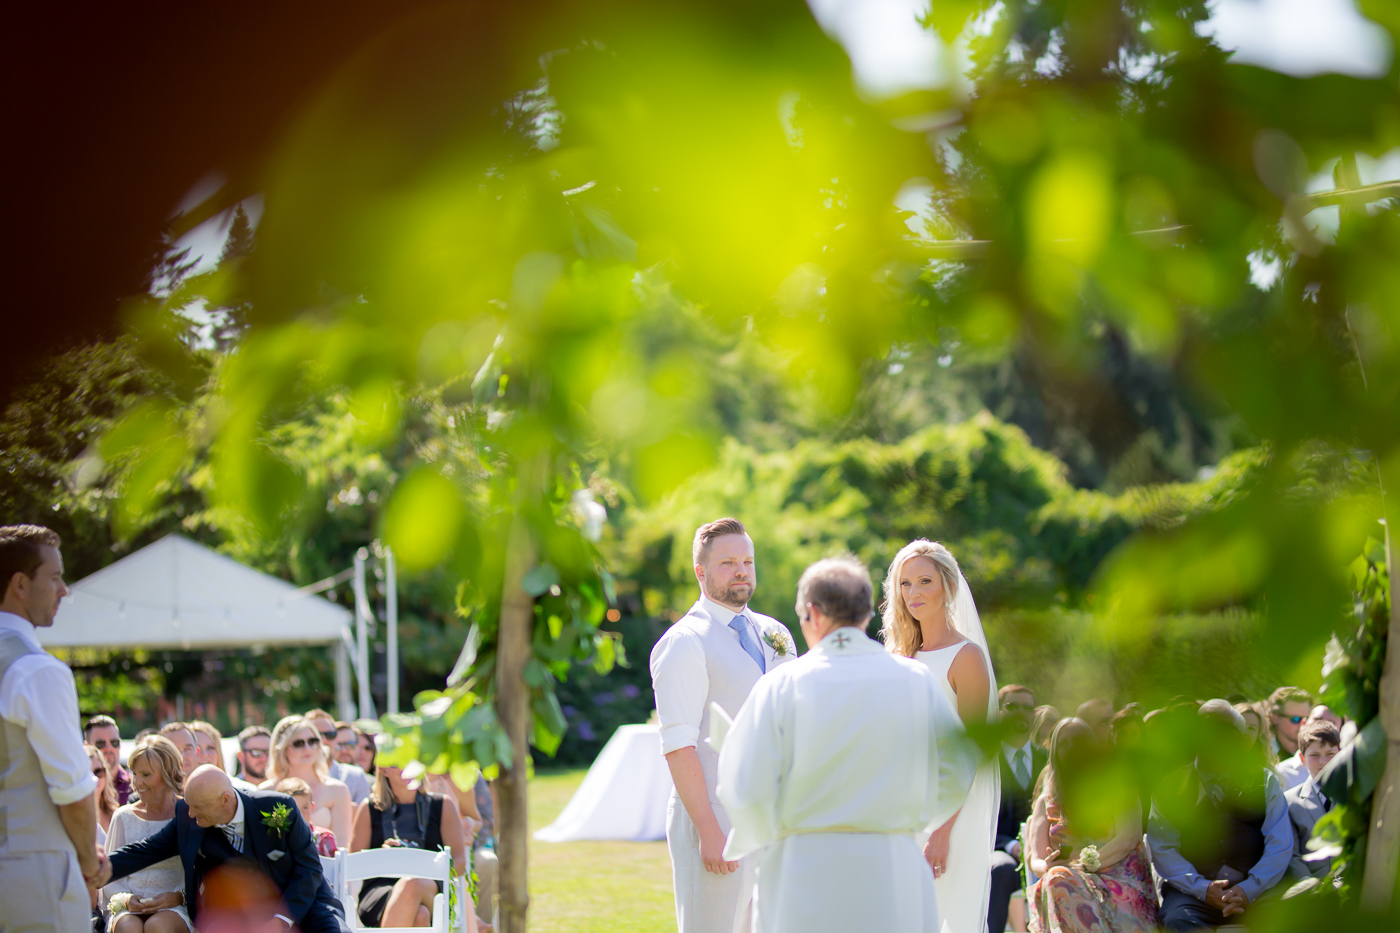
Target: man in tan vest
(48, 811)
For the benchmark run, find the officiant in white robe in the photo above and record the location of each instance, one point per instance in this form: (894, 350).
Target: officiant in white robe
(833, 764)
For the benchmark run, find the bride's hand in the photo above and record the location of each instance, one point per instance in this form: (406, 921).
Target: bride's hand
(936, 849)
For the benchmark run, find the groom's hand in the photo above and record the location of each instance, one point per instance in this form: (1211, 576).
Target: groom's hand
(102, 875)
(712, 852)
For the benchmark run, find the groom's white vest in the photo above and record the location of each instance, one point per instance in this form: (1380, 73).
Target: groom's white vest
(29, 819)
(732, 674)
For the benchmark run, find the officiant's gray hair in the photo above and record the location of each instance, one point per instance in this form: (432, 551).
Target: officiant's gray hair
(840, 588)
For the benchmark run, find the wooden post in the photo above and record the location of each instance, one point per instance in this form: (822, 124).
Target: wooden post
(513, 708)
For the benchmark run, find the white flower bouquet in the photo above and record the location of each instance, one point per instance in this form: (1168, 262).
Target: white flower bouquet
(117, 905)
(1089, 858)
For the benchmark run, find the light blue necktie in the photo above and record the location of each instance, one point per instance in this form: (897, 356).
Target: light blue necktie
(746, 641)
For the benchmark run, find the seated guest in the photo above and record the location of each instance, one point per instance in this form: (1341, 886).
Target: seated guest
(398, 815)
(209, 744)
(364, 755)
(1219, 828)
(1021, 761)
(1256, 732)
(1088, 851)
(296, 752)
(1126, 726)
(1288, 708)
(1043, 722)
(151, 900)
(296, 789)
(106, 793)
(348, 774)
(1098, 714)
(1318, 741)
(484, 860)
(101, 733)
(254, 746)
(347, 744)
(182, 737)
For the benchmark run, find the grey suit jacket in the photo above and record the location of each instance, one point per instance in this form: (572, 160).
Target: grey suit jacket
(1306, 806)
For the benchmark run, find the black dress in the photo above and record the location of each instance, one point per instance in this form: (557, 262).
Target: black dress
(418, 823)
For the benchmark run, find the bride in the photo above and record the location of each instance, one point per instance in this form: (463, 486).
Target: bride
(929, 614)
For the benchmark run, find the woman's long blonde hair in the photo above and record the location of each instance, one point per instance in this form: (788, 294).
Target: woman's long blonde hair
(283, 735)
(899, 630)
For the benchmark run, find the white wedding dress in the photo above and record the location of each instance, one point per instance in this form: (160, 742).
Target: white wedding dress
(160, 878)
(964, 888)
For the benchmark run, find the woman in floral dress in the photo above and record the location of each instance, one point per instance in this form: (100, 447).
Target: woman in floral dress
(1093, 866)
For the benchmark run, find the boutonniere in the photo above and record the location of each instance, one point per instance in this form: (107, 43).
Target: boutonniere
(279, 820)
(780, 642)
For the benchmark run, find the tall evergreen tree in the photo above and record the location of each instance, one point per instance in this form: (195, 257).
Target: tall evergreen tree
(231, 320)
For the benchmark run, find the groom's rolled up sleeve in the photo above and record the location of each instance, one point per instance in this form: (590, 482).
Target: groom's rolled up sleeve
(681, 682)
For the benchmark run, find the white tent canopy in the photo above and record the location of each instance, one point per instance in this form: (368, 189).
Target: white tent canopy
(178, 594)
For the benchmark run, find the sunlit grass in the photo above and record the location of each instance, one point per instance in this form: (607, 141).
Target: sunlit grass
(593, 887)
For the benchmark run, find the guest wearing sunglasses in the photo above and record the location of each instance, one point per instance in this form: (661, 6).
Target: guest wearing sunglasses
(296, 752)
(254, 745)
(101, 733)
(1021, 763)
(349, 775)
(1288, 708)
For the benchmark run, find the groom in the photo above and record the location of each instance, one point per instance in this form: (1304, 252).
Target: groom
(715, 653)
(215, 824)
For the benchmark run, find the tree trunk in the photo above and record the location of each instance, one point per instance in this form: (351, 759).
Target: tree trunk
(1383, 839)
(513, 708)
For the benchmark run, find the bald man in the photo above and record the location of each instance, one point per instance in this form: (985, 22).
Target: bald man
(216, 823)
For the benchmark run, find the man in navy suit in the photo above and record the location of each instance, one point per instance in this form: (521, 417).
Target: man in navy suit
(1021, 763)
(215, 823)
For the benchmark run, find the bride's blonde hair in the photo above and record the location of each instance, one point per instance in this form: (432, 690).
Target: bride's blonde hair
(899, 630)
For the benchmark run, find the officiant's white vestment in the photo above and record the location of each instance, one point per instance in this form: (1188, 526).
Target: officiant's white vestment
(698, 661)
(833, 764)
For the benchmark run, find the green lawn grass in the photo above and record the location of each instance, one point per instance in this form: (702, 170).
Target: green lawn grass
(593, 887)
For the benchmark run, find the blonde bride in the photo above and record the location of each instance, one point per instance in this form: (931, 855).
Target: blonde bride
(929, 614)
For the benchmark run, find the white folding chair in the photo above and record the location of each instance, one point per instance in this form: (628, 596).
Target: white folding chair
(396, 862)
(332, 867)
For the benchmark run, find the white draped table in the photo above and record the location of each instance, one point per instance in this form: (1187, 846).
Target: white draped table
(624, 794)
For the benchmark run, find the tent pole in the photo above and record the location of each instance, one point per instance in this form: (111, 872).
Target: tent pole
(362, 636)
(392, 620)
(344, 702)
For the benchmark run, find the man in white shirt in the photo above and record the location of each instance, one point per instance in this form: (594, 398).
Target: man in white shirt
(48, 810)
(714, 654)
(832, 766)
(1288, 710)
(349, 775)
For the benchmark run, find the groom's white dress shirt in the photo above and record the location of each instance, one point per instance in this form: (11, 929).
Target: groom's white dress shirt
(838, 759)
(698, 661)
(38, 694)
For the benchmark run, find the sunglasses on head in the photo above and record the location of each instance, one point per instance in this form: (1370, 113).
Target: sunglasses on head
(302, 743)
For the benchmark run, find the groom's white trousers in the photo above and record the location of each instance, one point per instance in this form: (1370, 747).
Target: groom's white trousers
(705, 902)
